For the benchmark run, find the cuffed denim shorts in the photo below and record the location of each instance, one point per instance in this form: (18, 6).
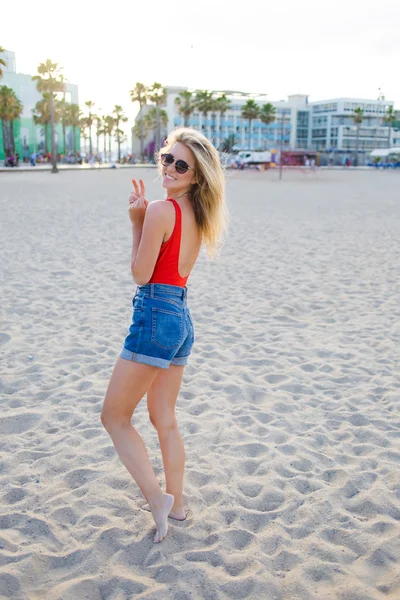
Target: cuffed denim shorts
(162, 331)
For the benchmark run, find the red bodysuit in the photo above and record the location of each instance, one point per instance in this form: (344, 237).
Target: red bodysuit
(167, 266)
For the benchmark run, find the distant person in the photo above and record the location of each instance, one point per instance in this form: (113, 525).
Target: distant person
(16, 159)
(167, 236)
(33, 159)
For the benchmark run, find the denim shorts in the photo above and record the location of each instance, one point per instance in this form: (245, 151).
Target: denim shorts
(162, 331)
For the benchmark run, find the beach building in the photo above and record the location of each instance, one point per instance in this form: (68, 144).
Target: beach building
(324, 126)
(28, 136)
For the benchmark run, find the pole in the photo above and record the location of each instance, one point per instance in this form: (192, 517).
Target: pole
(53, 137)
(281, 149)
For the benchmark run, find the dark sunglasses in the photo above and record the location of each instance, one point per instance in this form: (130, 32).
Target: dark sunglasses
(181, 166)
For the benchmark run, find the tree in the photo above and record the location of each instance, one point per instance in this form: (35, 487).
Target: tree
(62, 107)
(358, 117)
(42, 116)
(82, 128)
(49, 80)
(390, 118)
(221, 105)
(109, 126)
(158, 95)
(267, 114)
(119, 117)
(89, 122)
(250, 111)
(204, 101)
(103, 132)
(99, 125)
(141, 128)
(139, 94)
(2, 61)
(120, 137)
(186, 105)
(228, 143)
(73, 120)
(150, 120)
(10, 109)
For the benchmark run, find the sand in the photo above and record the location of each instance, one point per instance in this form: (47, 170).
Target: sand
(289, 408)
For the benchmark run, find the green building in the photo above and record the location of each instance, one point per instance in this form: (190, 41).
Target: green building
(28, 136)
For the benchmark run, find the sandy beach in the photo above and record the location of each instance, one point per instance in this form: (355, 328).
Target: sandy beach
(289, 408)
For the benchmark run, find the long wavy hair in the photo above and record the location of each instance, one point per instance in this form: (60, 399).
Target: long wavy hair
(207, 195)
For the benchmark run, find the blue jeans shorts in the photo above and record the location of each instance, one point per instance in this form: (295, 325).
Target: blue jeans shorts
(162, 331)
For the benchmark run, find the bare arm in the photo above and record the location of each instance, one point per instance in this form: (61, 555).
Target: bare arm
(149, 222)
(147, 240)
(136, 237)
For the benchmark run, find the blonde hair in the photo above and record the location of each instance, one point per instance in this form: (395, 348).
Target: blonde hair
(207, 195)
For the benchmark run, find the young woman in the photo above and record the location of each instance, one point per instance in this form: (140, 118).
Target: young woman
(167, 236)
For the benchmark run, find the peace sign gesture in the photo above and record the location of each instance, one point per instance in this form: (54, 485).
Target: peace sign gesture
(137, 202)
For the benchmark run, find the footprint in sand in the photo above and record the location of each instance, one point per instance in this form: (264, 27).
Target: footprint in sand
(4, 338)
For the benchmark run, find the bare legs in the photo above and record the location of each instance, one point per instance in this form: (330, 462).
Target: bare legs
(161, 401)
(128, 384)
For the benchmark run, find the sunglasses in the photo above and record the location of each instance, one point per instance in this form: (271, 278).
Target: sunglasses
(181, 166)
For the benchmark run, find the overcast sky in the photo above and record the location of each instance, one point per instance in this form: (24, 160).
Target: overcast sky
(324, 49)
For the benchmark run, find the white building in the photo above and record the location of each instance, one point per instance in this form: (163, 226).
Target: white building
(332, 126)
(324, 126)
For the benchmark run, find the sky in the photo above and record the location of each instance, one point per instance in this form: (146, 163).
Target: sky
(323, 49)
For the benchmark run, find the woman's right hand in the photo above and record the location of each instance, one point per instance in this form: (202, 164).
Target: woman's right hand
(137, 202)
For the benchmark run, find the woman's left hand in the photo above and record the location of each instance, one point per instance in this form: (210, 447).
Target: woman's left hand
(137, 203)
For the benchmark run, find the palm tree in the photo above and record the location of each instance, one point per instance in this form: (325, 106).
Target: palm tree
(120, 137)
(204, 101)
(89, 122)
(103, 132)
(42, 116)
(228, 143)
(250, 111)
(73, 120)
(10, 109)
(63, 107)
(267, 114)
(109, 126)
(82, 128)
(141, 128)
(151, 120)
(49, 80)
(16, 112)
(158, 95)
(2, 61)
(139, 94)
(186, 105)
(119, 117)
(222, 105)
(358, 117)
(99, 124)
(390, 118)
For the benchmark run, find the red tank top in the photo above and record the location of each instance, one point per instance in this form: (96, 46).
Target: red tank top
(167, 265)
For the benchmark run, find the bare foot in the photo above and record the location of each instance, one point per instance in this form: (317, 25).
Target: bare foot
(160, 515)
(178, 515)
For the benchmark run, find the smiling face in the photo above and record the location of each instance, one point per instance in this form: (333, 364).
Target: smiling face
(176, 183)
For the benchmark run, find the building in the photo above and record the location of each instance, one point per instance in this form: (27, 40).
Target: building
(333, 129)
(28, 136)
(324, 126)
(217, 127)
